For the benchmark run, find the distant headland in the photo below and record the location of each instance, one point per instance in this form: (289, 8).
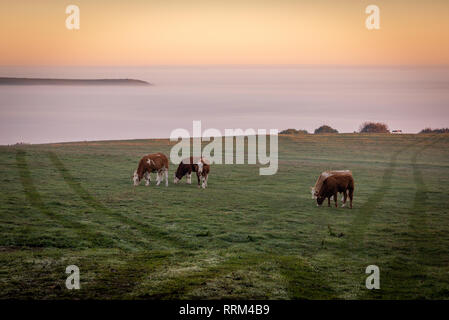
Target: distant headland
(71, 82)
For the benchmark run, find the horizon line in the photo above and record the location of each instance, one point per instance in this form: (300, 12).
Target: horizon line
(230, 65)
(223, 136)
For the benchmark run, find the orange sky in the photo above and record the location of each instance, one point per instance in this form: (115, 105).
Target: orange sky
(138, 32)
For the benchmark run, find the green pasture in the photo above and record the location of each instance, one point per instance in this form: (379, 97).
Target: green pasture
(244, 237)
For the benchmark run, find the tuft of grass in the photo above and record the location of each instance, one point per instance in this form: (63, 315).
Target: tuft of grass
(333, 234)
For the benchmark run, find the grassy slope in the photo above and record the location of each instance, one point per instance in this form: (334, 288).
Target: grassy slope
(246, 236)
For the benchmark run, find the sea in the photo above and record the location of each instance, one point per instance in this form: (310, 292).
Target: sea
(407, 98)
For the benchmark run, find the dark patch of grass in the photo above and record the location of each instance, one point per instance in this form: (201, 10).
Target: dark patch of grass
(86, 237)
(333, 234)
(92, 202)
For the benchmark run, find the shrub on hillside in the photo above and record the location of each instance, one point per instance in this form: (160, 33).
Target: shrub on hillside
(426, 130)
(325, 129)
(429, 130)
(374, 127)
(293, 131)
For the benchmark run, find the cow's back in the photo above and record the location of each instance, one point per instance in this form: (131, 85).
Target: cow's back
(326, 174)
(339, 182)
(344, 182)
(192, 162)
(157, 160)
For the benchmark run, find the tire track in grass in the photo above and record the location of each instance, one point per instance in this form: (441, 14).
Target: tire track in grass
(354, 241)
(408, 270)
(119, 280)
(35, 199)
(418, 227)
(404, 274)
(302, 281)
(361, 221)
(418, 213)
(98, 206)
(418, 219)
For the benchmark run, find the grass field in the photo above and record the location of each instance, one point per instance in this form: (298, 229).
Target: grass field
(245, 236)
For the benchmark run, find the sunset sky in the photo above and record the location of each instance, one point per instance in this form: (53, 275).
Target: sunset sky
(145, 32)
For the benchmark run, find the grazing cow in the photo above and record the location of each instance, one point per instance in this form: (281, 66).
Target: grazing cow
(156, 162)
(332, 185)
(199, 165)
(316, 189)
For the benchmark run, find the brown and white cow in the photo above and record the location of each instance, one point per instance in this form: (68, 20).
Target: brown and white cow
(325, 174)
(332, 185)
(156, 162)
(196, 164)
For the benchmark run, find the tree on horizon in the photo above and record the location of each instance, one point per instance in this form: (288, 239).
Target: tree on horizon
(293, 131)
(325, 129)
(374, 127)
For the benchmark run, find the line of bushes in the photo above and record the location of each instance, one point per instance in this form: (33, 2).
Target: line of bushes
(428, 130)
(293, 131)
(366, 127)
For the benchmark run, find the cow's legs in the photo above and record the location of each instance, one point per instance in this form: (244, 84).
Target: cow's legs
(336, 199)
(162, 175)
(351, 193)
(345, 196)
(189, 178)
(203, 180)
(147, 178)
(199, 179)
(159, 178)
(207, 176)
(329, 201)
(166, 177)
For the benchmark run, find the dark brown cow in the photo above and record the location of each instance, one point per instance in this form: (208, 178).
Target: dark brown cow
(316, 189)
(199, 165)
(333, 185)
(156, 162)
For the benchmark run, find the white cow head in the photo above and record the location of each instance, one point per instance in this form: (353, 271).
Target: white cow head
(176, 179)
